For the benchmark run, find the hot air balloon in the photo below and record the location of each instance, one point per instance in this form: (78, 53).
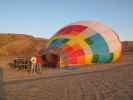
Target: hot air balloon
(84, 42)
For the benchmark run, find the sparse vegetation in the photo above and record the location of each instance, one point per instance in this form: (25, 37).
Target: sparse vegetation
(3, 52)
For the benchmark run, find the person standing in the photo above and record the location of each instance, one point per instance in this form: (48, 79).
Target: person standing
(39, 62)
(33, 64)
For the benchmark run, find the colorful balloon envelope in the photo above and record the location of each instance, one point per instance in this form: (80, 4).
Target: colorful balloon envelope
(86, 42)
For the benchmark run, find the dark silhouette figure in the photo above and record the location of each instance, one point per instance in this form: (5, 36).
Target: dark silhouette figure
(2, 95)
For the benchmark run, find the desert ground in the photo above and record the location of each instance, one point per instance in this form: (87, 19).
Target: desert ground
(93, 82)
(90, 82)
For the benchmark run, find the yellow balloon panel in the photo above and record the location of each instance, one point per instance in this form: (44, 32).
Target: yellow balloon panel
(88, 59)
(116, 56)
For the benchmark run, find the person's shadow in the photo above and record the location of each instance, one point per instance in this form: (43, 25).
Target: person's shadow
(2, 92)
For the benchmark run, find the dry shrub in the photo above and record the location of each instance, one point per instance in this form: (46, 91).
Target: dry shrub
(3, 52)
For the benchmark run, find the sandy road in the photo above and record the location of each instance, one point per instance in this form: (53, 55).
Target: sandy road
(114, 84)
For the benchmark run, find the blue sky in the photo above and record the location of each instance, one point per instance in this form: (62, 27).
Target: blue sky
(45, 17)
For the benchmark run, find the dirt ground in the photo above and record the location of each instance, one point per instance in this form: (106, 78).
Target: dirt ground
(91, 82)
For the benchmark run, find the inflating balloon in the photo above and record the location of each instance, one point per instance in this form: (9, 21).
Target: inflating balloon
(86, 42)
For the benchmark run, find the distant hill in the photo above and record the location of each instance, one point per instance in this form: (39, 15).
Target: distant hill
(127, 47)
(12, 44)
(20, 44)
